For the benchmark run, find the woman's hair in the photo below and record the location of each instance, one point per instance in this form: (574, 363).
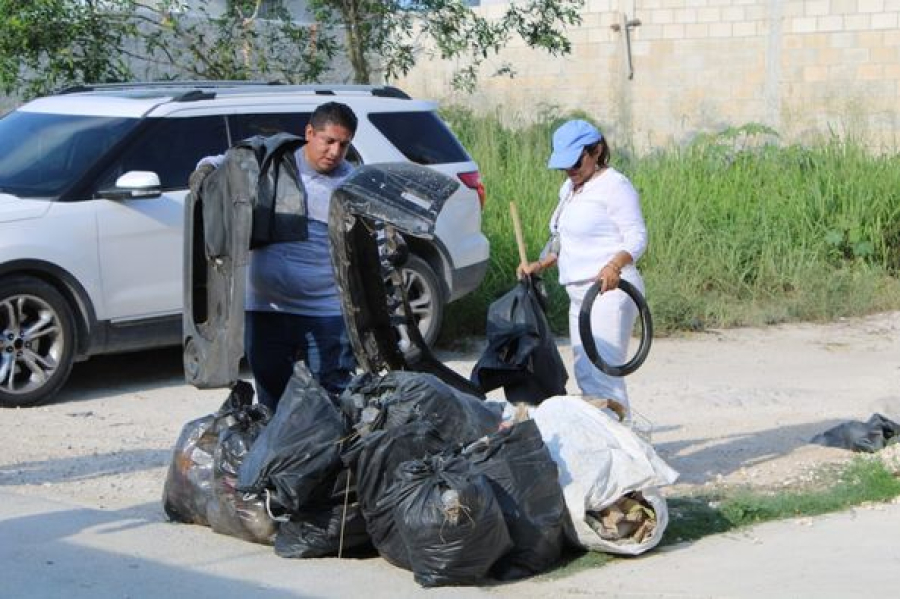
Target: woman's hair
(603, 157)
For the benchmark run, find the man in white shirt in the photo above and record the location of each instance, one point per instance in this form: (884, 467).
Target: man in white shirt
(293, 309)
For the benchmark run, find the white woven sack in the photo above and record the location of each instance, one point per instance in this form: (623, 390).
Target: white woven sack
(599, 461)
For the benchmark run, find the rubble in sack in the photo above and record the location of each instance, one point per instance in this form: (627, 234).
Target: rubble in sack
(401, 417)
(630, 519)
(376, 466)
(337, 530)
(601, 461)
(333, 526)
(392, 465)
(521, 355)
(188, 487)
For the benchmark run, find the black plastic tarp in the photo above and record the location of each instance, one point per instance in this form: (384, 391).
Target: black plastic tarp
(867, 437)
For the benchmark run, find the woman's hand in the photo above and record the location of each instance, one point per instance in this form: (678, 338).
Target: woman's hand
(609, 276)
(528, 269)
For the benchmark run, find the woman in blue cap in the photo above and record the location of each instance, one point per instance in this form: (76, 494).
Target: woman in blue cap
(597, 233)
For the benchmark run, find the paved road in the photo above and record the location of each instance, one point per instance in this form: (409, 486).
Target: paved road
(50, 550)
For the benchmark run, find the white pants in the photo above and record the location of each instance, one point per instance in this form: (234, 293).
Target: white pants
(612, 320)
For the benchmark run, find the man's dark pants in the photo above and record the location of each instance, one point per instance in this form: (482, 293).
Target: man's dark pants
(275, 341)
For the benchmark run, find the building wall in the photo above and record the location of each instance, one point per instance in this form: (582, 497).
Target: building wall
(802, 67)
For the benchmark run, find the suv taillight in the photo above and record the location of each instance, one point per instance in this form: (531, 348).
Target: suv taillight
(473, 181)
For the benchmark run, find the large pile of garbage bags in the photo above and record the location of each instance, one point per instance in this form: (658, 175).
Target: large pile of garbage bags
(436, 481)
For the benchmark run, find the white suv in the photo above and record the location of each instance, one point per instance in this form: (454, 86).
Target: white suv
(91, 255)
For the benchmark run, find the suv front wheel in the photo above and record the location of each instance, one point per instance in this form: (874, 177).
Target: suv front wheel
(37, 348)
(425, 298)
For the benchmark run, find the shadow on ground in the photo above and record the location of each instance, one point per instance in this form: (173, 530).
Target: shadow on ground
(730, 454)
(62, 552)
(83, 468)
(114, 374)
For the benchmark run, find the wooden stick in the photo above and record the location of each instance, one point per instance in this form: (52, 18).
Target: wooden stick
(520, 238)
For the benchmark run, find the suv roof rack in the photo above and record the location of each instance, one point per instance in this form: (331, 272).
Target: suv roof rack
(382, 91)
(88, 87)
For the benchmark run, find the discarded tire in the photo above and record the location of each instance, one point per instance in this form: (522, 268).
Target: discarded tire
(587, 336)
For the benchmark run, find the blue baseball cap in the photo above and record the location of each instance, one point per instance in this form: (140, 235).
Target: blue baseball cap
(568, 142)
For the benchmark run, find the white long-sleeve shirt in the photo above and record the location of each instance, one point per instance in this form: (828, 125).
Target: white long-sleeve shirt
(600, 219)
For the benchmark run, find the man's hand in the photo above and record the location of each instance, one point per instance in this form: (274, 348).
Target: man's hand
(198, 176)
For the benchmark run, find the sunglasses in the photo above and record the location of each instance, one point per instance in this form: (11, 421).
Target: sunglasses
(578, 162)
(585, 151)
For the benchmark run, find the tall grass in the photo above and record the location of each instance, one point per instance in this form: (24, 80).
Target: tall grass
(743, 230)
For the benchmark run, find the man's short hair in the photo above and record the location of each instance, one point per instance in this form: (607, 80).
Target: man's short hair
(333, 113)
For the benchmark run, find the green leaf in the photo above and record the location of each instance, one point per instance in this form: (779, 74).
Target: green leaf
(863, 249)
(834, 238)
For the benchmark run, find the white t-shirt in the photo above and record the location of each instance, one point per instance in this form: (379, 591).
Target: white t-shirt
(602, 218)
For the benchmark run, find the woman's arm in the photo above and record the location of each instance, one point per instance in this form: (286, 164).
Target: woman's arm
(625, 212)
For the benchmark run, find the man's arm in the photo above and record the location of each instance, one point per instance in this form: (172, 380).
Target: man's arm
(204, 168)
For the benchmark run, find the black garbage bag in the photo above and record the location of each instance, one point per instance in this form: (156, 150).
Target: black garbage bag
(231, 512)
(336, 528)
(188, 487)
(449, 520)
(188, 490)
(295, 460)
(323, 532)
(376, 402)
(378, 458)
(521, 355)
(525, 481)
(866, 437)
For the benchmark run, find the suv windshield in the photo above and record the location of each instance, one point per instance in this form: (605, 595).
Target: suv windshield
(41, 155)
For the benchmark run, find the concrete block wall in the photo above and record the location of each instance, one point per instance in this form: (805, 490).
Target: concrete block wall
(806, 68)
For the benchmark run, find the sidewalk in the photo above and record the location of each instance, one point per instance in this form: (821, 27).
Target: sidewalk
(50, 549)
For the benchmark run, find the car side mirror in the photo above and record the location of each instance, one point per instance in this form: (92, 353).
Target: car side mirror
(133, 185)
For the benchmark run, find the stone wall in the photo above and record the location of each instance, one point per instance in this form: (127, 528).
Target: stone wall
(803, 67)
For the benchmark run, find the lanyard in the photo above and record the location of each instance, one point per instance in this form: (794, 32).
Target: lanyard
(554, 226)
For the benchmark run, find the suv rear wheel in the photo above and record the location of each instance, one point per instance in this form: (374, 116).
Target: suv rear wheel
(424, 293)
(37, 347)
